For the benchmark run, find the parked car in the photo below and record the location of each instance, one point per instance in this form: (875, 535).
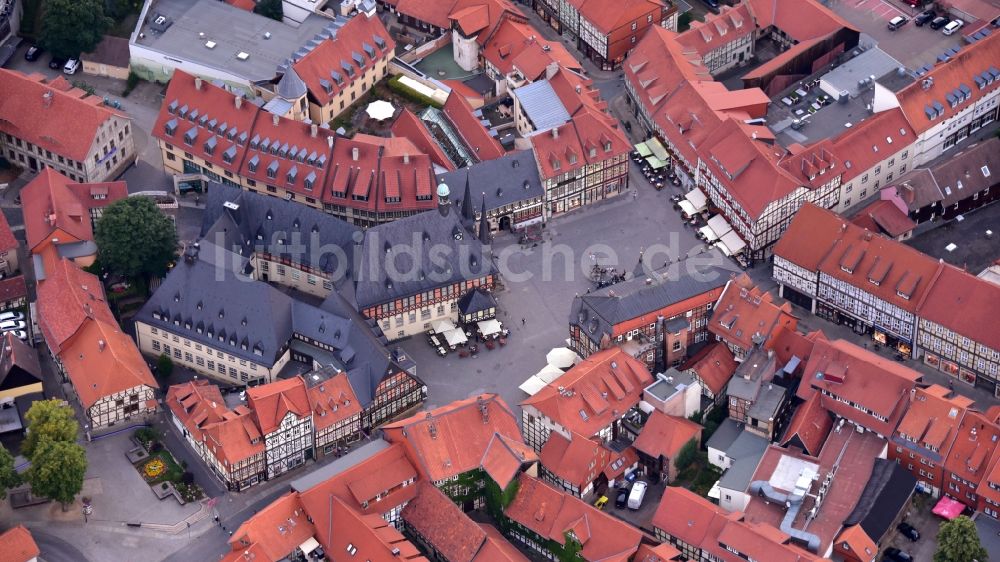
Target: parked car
(55, 63)
(897, 555)
(713, 5)
(908, 531)
(71, 66)
(33, 53)
(601, 502)
(11, 315)
(938, 22)
(9, 325)
(924, 17)
(897, 22)
(952, 27)
(622, 500)
(20, 334)
(637, 494)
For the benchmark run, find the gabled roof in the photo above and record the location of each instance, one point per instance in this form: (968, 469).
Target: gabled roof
(474, 134)
(931, 422)
(665, 436)
(290, 154)
(372, 536)
(503, 181)
(969, 171)
(7, 240)
(278, 528)
(519, 46)
(51, 115)
(443, 525)
(380, 174)
(964, 303)
(886, 494)
(714, 364)
(410, 127)
(800, 20)
(453, 439)
(52, 210)
(609, 16)
(271, 403)
(580, 459)
(663, 552)
(745, 314)
(504, 458)
(884, 217)
(688, 517)
(854, 541)
(594, 393)
(871, 141)
(809, 426)
(718, 30)
(497, 548)
(14, 353)
(973, 447)
(196, 404)
(331, 397)
(18, 545)
(69, 297)
(552, 513)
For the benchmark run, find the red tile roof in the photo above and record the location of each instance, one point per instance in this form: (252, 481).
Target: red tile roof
(373, 537)
(410, 127)
(52, 210)
(587, 139)
(519, 46)
(231, 436)
(933, 417)
(809, 426)
(474, 134)
(798, 19)
(196, 404)
(7, 240)
(99, 195)
(497, 548)
(443, 525)
(65, 123)
(718, 30)
(854, 541)
(974, 445)
(440, 13)
(757, 542)
(69, 297)
(578, 460)
(13, 288)
(289, 155)
(746, 314)
(884, 217)
(608, 16)
(552, 513)
(504, 458)
(789, 343)
(665, 436)
(971, 61)
(595, 392)
(279, 528)
(356, 37)
(847, 371)
(453, 439)
(664, 552)
(385, 168)
(271, 403)
(989, 487)
(871, 141)
(333, 401)
(965, 304)
(714, 364)
(18, 546)
(688, 517)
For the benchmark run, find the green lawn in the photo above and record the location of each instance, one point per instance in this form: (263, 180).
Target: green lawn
(171, 474)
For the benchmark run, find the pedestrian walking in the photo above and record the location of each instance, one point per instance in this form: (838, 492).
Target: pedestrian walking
(522, 321)
(635, 194)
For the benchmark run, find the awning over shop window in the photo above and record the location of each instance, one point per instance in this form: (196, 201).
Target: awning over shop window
(948, 508)
(643, 150)
(731, 243)
(708, 233)
(655, 162)
(656, 147)
(697, 199)
(719, 225)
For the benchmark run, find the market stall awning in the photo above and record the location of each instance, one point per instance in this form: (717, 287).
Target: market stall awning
(697, 198)
(708, 233)
(549, 374)
(687, 207)
(656, 147)
(442, 326)
(489, 327)
(719, 225)
(643, 150)
(655, 162)
(732, 243)
(561, 357)
(309, 545)
(455, 337)
(532, 386)
(948, 508)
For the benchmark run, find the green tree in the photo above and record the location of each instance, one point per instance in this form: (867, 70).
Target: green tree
(270, 9)
(9, 478)
(57, 471)
(71, 27)
(48, 420)
(135, 239)
(687, 455)
(958, 541)
(164, 366)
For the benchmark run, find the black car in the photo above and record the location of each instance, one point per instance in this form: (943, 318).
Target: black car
(897, 555)
(924, 17)
(908, 531)
(622, 500)
(57, 63)
(32, 53)
(939, 22)
(713, 5)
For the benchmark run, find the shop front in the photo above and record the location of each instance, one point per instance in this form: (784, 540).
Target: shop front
(886, 338)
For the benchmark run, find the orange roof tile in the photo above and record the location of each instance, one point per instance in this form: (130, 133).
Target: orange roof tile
(989, 487)
(504, 458)
(101, 360)
(7, 240)
(798, 19)
(884, 217)
(371, 536)
(552, 513)
(684, 515)
(409, 126)
(746, 314)
(473, 134)
(272, 402)
(443, 525)
(933, 417)
(871, 141)
(973, 447)
(68, 297)
(578, 460)
(64, 122)
(809, 426)
(519, 46)
(965, 304)
(789, 343)
(17, 545)
(607, 17)
(664, 436)
(660, 553)
(497, 548)
(453, 439)
(279, 527)
(714, 364)
(440, 13)
(235, 438)
(229, 435)
(333, 401)
(855, 542)
(718, 30)
(52, 210)
(13, 288)
(596, 392)
(196, 405)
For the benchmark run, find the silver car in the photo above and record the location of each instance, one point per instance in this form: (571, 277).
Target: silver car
(9, 325)
(11, 315)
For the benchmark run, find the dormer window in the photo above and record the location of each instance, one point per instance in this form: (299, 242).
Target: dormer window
(170, 127)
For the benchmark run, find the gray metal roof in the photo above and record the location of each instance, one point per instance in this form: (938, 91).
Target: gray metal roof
(873, 62)
(768, 401)
(291, 87)
(725, 435)
(668, 383)
(188, 25)
(598, 312)
(278, 105)
(541, 104)
(327, 472)
(509, 179)
(426, 250)
(746, 451)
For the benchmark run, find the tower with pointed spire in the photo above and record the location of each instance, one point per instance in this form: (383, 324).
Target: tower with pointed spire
(444, 203)
(468, 211)
(484, 225)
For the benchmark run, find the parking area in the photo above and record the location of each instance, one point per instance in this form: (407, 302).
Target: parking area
(919, 515)
(911, 45)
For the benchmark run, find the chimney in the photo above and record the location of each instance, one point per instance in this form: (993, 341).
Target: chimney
(431, 426)
(313, 130)
(47, 98)
(484, 409)
(555, 132)
(355, 153)
(101, 345)
(197, 83)
(329, 142)
(274, 119)
(406, 159)
(238, 101)
(551, 70)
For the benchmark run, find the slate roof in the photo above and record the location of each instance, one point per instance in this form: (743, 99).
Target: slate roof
(887, 493)
(476, 300)
(462, 257)
(599, 311)
(290, 86)
(19, 358)
(505, 180)
(725, 435)
(746, 451)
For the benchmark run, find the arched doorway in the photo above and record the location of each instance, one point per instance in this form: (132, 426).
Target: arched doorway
(505, 223)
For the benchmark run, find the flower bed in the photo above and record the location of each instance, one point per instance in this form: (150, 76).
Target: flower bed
(161, 467)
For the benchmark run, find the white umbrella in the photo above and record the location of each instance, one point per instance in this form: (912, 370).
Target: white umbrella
(561, 357)
(380, 110)
(455, 337)
(442, 326)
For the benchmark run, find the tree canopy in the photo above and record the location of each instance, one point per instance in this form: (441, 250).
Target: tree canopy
(687, 455)
(48, 420)
(71, 27)
(958, 541)
(135, 239)
(57, 470)
(269, 9)
(9, 477)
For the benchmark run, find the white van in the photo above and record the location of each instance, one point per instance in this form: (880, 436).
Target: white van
(637, 494)
(72, 65)
(952, 27)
